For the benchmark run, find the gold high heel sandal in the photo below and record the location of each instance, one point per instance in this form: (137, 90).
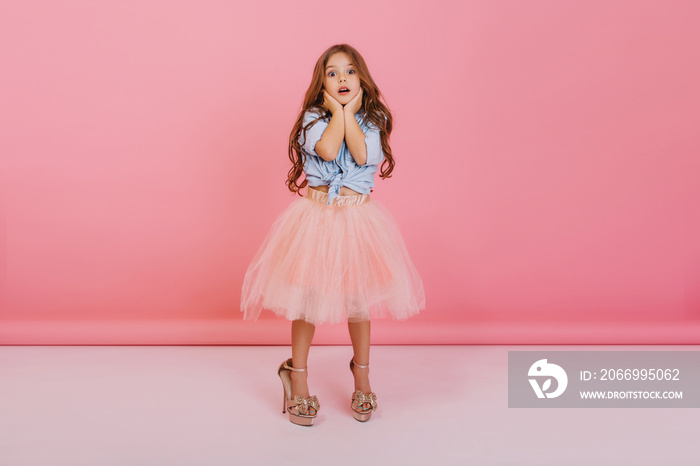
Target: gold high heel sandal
(359, 398)
(305, 409)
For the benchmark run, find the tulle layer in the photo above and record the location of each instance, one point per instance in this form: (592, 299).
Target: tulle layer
(333, 263)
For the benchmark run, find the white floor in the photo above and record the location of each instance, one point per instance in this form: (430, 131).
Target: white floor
(222, 405)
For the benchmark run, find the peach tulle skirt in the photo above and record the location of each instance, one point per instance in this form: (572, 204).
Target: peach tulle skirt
(333, 263)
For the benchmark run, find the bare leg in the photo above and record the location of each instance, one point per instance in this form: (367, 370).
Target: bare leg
(302, 334)
(360, 336)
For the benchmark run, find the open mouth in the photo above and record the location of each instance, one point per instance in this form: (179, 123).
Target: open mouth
(343, 90)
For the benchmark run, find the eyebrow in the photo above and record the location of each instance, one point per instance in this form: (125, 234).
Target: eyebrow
(332, 66)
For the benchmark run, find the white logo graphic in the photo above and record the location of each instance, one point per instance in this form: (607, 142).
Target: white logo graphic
(542, 369)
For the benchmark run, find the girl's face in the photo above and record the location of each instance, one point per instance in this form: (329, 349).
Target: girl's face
(341, 80)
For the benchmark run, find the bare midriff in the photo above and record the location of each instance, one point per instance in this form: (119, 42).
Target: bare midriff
(343, 191)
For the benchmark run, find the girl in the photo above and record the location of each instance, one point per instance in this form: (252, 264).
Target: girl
(334, 255)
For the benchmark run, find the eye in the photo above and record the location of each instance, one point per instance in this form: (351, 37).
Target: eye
(332, 73)
(351, 72)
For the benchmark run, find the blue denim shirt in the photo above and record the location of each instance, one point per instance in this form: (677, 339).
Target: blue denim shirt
(343, 171)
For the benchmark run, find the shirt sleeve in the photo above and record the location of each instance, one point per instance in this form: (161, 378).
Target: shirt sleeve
(375, 155)
(313, 134)
(373, 141)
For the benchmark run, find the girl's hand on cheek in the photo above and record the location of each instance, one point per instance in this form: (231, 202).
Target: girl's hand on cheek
(355, 104)
(330, 104)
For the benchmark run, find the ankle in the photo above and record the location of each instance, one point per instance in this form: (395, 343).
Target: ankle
(359, 364)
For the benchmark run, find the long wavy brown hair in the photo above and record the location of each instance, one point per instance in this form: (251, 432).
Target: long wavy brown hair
(372, 110)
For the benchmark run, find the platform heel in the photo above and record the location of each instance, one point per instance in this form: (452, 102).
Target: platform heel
(359, 398)
(302, 411)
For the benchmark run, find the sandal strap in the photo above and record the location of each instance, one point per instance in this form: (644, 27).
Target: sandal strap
(287, 366)
(359, 365)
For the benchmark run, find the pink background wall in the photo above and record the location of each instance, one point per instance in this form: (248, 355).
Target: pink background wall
(546, 179)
